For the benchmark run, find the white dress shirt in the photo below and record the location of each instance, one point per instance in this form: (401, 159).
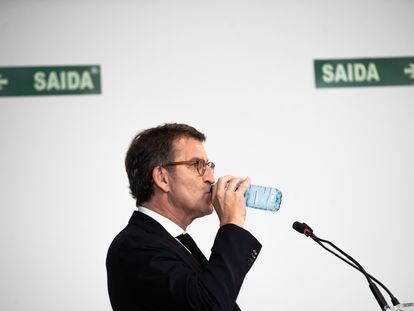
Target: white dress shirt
(170, 226)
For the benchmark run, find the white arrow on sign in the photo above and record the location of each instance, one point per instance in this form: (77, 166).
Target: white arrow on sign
(410, 71)
(3, 81)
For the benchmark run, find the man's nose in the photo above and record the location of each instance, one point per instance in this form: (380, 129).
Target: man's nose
(209, 176)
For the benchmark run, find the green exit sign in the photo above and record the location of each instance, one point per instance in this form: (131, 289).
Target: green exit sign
(362, 72)
(50, 80)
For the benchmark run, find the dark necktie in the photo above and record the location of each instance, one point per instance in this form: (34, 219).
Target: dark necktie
(188, 242)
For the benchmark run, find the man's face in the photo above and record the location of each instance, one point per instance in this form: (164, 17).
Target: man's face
(190, 192)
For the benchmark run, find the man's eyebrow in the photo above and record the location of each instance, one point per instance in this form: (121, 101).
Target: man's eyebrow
(197, 158)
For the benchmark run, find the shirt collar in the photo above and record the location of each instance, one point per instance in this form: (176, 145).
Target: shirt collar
(170, 226)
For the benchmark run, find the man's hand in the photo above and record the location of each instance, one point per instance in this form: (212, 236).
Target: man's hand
(228, 200)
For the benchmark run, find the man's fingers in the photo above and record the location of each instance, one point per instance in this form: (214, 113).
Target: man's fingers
(222, 182)
(228, 200)
(244, 185)
(233, 184)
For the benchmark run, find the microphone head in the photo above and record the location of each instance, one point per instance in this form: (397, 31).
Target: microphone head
(298, 226)
(302, 228)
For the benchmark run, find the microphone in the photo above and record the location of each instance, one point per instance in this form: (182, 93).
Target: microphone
(303, 228)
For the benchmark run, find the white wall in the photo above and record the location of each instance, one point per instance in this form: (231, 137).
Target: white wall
(242, 72)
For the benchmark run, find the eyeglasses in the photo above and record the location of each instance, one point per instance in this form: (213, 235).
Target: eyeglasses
(200, 164)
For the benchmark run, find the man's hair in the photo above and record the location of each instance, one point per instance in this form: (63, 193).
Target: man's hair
(151, 148)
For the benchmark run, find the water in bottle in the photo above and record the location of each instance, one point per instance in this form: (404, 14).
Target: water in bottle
(264, 198)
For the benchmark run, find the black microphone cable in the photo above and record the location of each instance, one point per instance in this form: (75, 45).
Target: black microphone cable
(318, 240)
(307, 230)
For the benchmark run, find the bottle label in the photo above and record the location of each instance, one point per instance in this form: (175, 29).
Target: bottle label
(264, 198)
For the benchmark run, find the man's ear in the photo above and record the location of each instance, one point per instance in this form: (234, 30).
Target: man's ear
(160, 177)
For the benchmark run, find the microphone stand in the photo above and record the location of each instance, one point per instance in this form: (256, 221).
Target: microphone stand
(394, 300)
(374, 289)
(305, 229)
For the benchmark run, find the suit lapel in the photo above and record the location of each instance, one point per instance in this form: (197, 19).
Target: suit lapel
(158, 233)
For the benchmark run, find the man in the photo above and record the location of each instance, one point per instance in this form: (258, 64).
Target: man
(152, 263)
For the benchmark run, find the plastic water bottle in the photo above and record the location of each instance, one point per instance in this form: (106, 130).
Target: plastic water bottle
(264, 198)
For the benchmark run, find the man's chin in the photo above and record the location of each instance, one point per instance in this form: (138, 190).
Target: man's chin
(211, 209)
(208, 210)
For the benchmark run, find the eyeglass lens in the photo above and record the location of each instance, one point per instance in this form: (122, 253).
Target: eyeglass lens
(201, 167)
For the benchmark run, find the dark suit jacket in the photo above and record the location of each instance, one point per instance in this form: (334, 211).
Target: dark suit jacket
(148, 269)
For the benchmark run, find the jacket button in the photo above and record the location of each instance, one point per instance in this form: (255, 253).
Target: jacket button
(254, 254)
